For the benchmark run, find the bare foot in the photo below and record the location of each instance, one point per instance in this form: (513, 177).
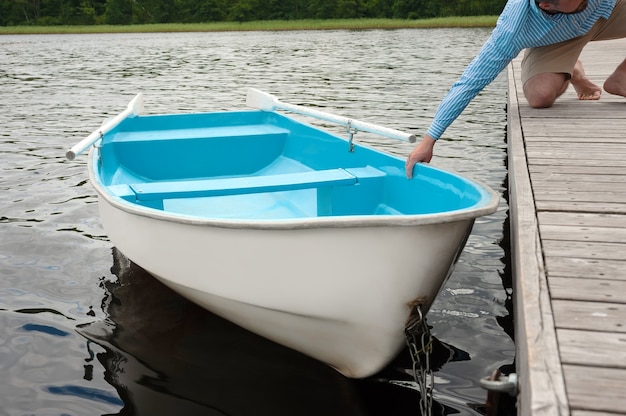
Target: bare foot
(585, 89)
(616, 84)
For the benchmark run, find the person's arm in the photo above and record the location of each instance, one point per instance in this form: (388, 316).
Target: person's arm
(489, 62)
(485, 67)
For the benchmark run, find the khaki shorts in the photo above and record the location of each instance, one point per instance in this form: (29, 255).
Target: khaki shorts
(561, 57)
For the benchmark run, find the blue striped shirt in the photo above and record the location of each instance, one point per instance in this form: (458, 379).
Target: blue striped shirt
(521, 25)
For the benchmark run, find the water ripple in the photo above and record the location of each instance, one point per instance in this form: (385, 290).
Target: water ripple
(86, 393)
(46, 329)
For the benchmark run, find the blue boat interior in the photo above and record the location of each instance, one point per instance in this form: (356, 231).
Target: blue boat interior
(264, 165)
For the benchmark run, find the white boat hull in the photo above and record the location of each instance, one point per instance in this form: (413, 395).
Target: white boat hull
(341, 295)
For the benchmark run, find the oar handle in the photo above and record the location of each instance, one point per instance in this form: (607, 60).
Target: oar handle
(134, 108)
(267, 102)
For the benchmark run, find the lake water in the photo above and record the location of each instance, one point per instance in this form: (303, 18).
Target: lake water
(85, 332)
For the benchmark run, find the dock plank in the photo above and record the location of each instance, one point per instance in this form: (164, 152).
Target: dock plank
(588, 268)
(573, 131)
(593, 316)
(596, 389)
(582, 219)
(577, 170)
(535, 148)
(571, 185)
(599, 154)
(564, 160)
(606, 208)
(584, 233)
(598, 197)
(584, 250)
(602, 349)
(586, 289)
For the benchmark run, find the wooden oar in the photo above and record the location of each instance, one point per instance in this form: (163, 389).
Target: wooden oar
(267, 102)
(135, 107)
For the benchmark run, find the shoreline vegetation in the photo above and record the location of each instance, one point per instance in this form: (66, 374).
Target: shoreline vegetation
(266, 25)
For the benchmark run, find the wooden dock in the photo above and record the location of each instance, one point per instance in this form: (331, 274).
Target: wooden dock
(567, 185)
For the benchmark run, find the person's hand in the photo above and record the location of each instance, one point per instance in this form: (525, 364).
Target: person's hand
(423, 152)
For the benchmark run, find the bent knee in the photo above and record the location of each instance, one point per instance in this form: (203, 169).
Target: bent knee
(542, 90)
(541, 100)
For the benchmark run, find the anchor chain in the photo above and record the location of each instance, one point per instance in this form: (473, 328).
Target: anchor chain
(419, 342)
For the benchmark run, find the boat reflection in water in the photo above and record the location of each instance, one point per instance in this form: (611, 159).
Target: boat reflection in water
(166, 355)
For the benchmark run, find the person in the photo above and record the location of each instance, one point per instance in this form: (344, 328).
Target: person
(553, 34)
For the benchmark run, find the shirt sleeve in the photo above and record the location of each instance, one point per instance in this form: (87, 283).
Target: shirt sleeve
(493, 57)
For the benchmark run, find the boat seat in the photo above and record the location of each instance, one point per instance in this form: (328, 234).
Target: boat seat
(251, 184)
(255, 131)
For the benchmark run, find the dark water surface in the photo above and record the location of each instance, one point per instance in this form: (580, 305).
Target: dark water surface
(85, 332)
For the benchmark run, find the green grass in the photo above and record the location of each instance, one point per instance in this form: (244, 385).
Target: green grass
(272, 25)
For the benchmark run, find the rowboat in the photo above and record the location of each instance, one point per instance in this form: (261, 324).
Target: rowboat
(286, 229)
